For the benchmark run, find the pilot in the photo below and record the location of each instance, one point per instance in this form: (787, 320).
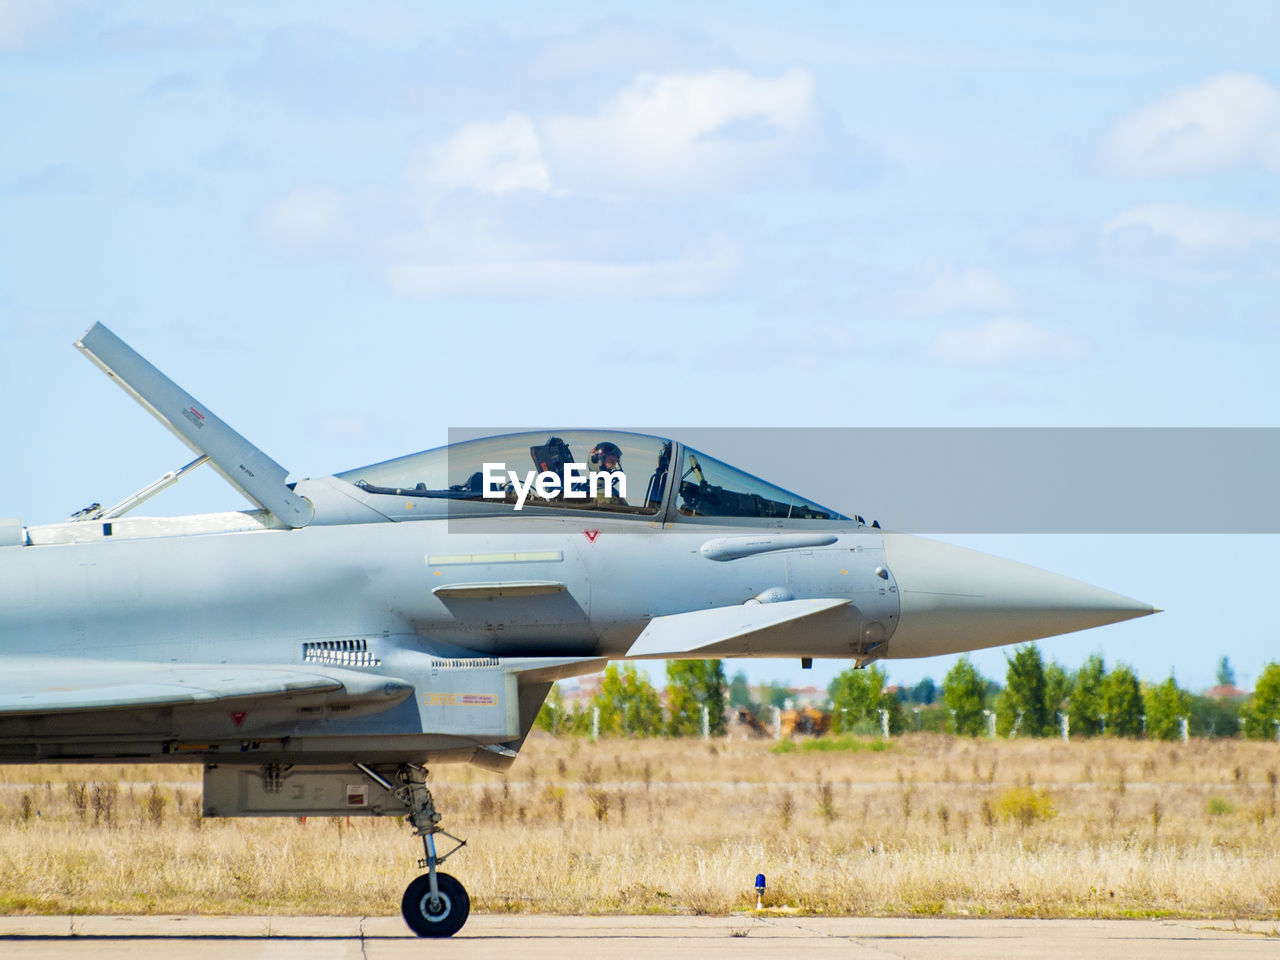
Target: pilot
(606, 457)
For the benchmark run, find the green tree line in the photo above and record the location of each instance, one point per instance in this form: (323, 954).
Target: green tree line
(1037, 697)
(629, 705)
(1035, 700)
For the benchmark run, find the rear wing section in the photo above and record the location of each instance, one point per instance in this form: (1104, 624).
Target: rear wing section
(243, 465)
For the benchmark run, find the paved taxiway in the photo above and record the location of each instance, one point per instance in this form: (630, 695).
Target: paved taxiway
(504, 937)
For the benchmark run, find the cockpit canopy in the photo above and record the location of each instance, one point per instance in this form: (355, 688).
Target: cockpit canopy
(627, 474)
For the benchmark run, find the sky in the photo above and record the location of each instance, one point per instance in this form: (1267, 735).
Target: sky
(350, 228)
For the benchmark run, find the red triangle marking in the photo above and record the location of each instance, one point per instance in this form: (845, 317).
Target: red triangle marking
(238, 717)
(591, 534)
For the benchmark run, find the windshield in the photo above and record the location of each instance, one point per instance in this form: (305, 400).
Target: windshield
(574, 469)
(709, 488)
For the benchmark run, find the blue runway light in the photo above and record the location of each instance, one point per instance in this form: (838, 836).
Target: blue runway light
(759, 891)
(759, 881)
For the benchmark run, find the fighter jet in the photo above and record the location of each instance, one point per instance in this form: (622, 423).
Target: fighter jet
(319, 652)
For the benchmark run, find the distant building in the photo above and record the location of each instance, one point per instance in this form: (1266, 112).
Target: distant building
(809, 697)
(580, 691)
(1226, 691)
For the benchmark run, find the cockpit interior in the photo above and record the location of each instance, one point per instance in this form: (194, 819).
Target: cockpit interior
(626, 474)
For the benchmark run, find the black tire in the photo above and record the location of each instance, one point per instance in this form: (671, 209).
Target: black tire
(451, 913)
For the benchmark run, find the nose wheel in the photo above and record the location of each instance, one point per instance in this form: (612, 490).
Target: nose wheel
(435, 914)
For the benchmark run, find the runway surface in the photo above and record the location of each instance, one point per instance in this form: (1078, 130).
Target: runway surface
(505, 937)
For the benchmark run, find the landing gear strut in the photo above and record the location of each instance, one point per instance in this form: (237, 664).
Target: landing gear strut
(435, 904)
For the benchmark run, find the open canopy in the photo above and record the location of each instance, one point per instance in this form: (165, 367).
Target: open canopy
(627, 474)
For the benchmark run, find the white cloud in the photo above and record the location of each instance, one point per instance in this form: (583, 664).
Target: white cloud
(305, 220)
(709, 130)
(470, 243)
(951, 289)
(491, 158)
(1229, 120)
(680, 277)
(602, 204)
(53, 179)
(404, 63)
(620, 47)
(233, 154)
(1051, 238)
(23, 22)
(163, 187)
(1003, 341)
(204, 32)
(1195, 229)
(342, 426)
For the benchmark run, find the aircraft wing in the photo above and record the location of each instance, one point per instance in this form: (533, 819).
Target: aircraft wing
(748, 628)
(39, 685)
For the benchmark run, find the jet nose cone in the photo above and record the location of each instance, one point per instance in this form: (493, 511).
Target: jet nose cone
(953, 599)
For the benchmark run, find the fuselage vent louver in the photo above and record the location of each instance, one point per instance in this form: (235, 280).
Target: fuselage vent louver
(464, 663)
(340, 653)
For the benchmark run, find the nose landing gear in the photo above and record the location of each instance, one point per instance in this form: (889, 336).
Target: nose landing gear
(435, 904)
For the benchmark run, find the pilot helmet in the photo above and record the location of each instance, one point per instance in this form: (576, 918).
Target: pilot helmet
(602, 451)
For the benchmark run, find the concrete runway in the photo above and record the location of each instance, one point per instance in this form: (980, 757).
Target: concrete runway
(505, 937)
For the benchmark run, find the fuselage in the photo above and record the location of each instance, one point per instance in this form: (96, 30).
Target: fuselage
(414, 620)
(257, 595)
(440, 605)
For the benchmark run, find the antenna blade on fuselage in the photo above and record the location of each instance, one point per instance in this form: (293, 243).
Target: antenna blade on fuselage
(243, 465)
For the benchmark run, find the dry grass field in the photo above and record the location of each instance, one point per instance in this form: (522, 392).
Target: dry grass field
(925, 825)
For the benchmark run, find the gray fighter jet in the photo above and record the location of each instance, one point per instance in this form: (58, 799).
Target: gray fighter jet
(318, 653)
